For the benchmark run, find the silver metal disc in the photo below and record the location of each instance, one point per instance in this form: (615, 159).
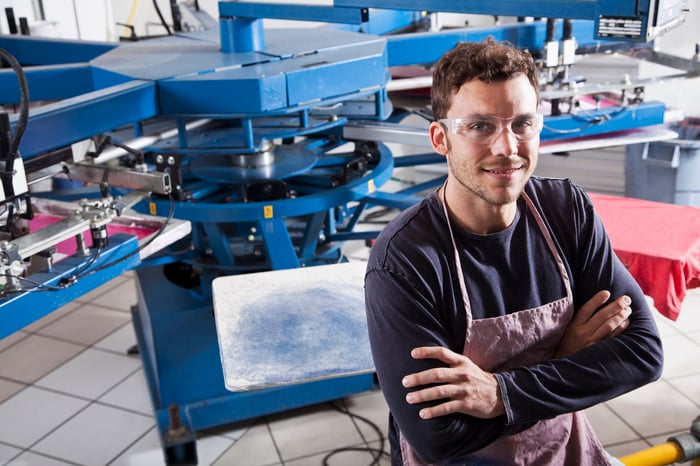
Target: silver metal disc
(287, 161)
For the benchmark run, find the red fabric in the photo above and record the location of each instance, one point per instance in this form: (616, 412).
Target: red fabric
(69, 246)
(659, 244)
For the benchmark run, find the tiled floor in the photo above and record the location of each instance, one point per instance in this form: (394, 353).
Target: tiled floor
(70, 394)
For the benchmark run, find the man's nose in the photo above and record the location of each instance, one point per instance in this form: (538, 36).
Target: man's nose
(505, 143)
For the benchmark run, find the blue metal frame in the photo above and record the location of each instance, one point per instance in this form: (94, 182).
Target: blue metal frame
(177, 337)
(71, 120)
(43, 295)
(641, 11)
(427, 47)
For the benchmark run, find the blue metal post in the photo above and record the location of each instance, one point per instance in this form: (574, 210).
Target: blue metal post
(241, 35)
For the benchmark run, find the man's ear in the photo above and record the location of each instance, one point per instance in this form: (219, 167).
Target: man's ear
(438, 137)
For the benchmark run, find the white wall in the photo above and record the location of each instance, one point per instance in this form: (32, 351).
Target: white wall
(66, 19)
(22, 8)
(683, 94)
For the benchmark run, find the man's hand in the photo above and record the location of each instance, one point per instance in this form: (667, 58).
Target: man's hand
(592, 323)
(463, 386)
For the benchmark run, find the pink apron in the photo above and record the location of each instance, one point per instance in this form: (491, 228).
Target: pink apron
(525, 338)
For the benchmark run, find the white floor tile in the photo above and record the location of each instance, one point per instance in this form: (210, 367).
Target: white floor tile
(254, 448)
(681, 357)
(312, 430)
(7, 453)
(91, 373)
(120, 297)
(690, 387)
(372, 407)
(92, 296)
(34, 356)
(96, 436)
(666, 326)
(651, 411)
(211, 447)
(628, 448)
(119, 341)
(608, 426)
(9, 388)
(689, 318)
(29, 458)
(52, 317)
(130, 394)
(86, 325)
(12, 339)
(32, 413)
(147, 451)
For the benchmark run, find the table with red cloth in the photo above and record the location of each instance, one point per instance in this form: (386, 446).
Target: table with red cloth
(659, 243)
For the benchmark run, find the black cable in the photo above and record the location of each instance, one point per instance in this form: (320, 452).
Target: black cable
(37, 286)
(22, 119)
(72, 279)
(80, 273)
(588, 121)
(377, 453)
(143, 246)
(162, 20)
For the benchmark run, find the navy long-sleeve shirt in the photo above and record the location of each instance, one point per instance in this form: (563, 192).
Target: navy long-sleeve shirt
(413, 299)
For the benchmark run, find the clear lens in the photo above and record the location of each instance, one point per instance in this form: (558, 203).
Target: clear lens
(485, 129)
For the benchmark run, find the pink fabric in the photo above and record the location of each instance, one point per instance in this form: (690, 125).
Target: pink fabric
(658, 243)
(69, 246)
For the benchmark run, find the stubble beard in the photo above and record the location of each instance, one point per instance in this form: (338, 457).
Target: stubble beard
(469, 181)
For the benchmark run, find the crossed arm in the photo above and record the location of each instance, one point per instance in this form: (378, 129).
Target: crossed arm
(465, 388)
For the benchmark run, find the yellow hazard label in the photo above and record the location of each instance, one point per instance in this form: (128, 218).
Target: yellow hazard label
(152, 208)
(267, 211)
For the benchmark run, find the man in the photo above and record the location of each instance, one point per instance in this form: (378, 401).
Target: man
(497, 309)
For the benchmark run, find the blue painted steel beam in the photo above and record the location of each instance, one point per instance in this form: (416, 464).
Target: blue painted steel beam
(324, 73)
(573, 9)
(59, 124)
(43, 51)
(427, 47)
(21, 309)
(52, 82)
(603, 121)
(280, 250)
(382, 22)
(326, 14)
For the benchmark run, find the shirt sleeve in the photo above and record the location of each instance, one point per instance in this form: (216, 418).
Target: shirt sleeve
(401, 317)
(603, 370)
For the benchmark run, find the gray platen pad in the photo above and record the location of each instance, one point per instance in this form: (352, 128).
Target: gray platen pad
(291, 326)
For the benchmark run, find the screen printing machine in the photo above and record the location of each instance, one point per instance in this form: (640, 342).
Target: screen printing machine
(229, 164)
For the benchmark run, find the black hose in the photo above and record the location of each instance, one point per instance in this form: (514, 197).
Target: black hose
(162, 20)
(23, 117)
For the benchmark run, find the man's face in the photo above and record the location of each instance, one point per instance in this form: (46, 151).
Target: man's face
(492, 173)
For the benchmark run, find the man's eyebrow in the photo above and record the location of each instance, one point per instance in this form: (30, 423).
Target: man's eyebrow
(486, 115)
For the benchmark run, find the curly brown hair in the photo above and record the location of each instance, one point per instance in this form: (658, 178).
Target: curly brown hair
(487, 61)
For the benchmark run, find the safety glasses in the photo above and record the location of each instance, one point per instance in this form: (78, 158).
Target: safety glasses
(486, 129)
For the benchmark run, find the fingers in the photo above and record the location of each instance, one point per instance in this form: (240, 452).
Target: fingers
(594, 322)
(590, 307)
(435, 375)
(436, 352)
(612, 319)
(442, 409)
